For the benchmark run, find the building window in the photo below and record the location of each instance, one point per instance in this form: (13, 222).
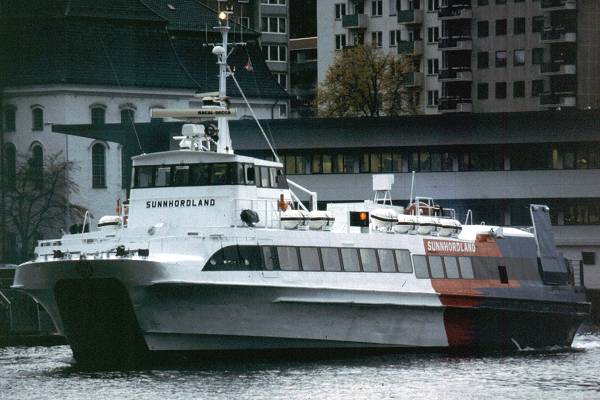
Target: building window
(10, 119)
(433, 66)
(37, 164)
(433, 34)
(537, 24)
(37, 116)
(433, 97)
(588, 258)
(582, 213)
(393, 7)
(500, 27)
(500, 59)
(98, 116)
(127, 117)
(500, 2)
(376, 8)
(98, 166)
(519, 57)
(245, 22)
(394, 38)
(275, 52)
(519, 25)
(10, 164)
(483, 29)
(273, 24)
(500, 90)
(281, 78)
(483, 60)
(518, 89)
(482, 91)
(272, 2)
(483, 2)
(377, 38)
(282, 108)
(537, 87)
(340, 41)
(537, 56)
(433, 5)
(340, 10)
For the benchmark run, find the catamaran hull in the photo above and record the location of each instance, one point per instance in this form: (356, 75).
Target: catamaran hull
(109, 313)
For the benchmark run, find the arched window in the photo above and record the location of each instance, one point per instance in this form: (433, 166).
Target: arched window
(10, 119)
(98, 115)
(37, 116)
(37, 164)
(127, 116)
(98, 166)
(10, 165)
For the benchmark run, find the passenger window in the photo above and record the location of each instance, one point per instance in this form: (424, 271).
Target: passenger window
(386, 260)
(466, 268)
(144, 177)
(273, 177)
(451, 267)
(199, 175)
(310, 259)
(218, 174)
(331, 259)
(436, 267)
(403, 261)
(249, 168)
(250, 256)
(269, 258)
(181, 175)
(369, 260)
(264, 177)
(162, 177)
(421, 270)
(350, 260)
(288, 258)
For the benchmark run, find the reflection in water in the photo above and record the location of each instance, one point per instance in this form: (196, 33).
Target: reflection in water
(47, 373)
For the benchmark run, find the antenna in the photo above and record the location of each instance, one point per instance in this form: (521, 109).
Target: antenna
(412, 186)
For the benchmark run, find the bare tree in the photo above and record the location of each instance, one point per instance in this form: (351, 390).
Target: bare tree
(37, 200)
(364, 82)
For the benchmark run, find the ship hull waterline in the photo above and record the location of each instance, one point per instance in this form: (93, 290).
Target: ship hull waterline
(119, 315)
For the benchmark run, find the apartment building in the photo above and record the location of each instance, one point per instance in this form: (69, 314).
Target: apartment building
(478, 55)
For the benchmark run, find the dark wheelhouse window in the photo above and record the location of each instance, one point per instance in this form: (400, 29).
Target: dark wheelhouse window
(144, 177)
(199, 175)
(219, 174)
(181, 175)
(235, 258)
(162, 177)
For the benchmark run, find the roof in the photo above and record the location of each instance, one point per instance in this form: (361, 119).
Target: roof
(426, 130)
(125, 43)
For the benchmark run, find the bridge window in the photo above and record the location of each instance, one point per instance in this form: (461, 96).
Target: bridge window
(264, 177)
(199, 175)
(162, 177)
(218, 174)
(181, 175)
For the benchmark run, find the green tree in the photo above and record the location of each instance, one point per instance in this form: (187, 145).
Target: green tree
(364, 82)
(37, 200)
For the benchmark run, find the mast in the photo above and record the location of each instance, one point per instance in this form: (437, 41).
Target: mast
(224, 143)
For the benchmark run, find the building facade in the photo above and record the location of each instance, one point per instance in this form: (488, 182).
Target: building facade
(478, 55)
(77, 62)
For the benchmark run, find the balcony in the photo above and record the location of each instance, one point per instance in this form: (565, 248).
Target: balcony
(413, 79)
(355, 21)
(414, 48)
(410, 17)
(455, 75)
(558, 35)
(456, 11)
(556, 5)
(455, 105)
(455, 43)
(558, 68)
(554, 100)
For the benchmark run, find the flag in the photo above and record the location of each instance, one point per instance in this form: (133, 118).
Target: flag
(248, 67)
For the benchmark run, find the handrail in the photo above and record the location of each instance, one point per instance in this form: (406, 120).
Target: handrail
(8, 307)
(313, 195)
(469, 214)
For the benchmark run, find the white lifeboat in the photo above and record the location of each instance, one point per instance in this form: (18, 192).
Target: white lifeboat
(405, 223)
(292, 219)
(110, 222)
(383, 219)
(320, 220)
(427, 225)
(449, 227)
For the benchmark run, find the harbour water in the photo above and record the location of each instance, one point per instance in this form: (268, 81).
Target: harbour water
(47, 373)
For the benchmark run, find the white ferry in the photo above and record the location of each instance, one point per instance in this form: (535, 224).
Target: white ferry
(215, 252)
